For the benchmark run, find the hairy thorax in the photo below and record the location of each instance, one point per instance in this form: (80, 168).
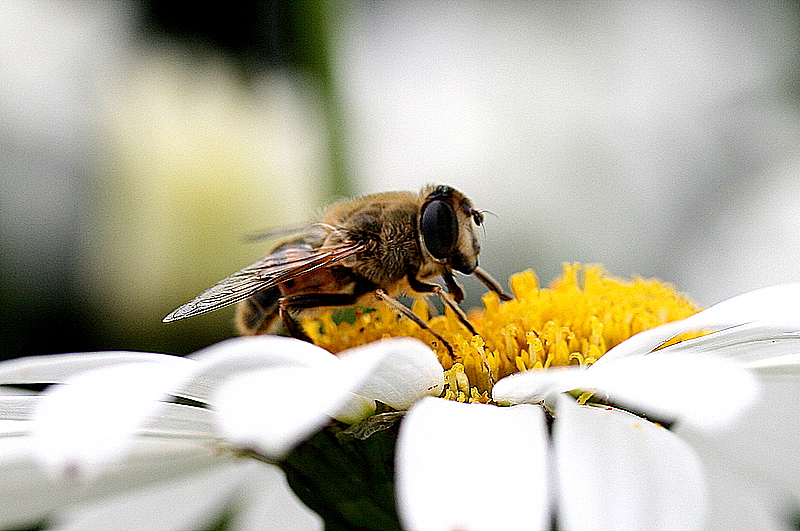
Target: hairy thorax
(390, 229)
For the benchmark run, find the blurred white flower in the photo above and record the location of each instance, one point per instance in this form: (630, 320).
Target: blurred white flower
(114, 424)
(123, 420)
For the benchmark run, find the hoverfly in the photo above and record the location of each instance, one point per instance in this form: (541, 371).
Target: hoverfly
(378, 245)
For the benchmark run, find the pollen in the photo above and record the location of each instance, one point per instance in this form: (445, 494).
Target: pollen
(583, 313)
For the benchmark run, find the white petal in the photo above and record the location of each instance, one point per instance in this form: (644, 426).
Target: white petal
(89, 422)
(473, 467)
(56, 368)
(233, 356)
(737, 506)
(14, 428)
(255, 493)
(272, 410)
(182, 422)
(647, 341)
(617, 471)
(254, 351)
(778, 304)
(80, 426)
(283, 375)
(154, 459)
(354, 409)
(17, 407)
(740, 495)
(189, 503)
(779, 365)
(28, 495)
(762, 446)
(534, 386)
(704, 391)
(267, 503)
(405, 370)
(768, 347)
(89, 425)
(173, 420)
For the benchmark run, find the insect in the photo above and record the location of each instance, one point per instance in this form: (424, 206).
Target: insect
(378, 245)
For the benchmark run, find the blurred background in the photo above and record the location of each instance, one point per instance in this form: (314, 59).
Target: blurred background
(140, 141)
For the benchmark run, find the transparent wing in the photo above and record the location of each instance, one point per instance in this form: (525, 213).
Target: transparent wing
(279, 267)
(277, 232)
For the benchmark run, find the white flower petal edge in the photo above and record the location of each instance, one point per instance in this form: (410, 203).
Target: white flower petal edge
(28, 494)
(405, 370)
(472, 466)
(704, 391)
(56, 368)
(777, 365)
(272, 410)
(773, 304)
(194, 502)
(248, 352)
(618, 471)
(532, 387)
(17, 407)
(82, 426)
(87, 422)
(239, 355)
(765, 347)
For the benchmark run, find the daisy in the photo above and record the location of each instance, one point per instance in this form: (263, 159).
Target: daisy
(558, 412)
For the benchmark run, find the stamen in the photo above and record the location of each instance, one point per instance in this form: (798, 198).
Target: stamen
(583, 314)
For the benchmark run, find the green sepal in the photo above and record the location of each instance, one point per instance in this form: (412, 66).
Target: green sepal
(346, 474)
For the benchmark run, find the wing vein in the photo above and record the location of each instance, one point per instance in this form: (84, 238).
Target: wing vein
(264, 274)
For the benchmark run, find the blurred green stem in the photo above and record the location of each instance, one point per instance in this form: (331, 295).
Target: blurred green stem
(310, 50)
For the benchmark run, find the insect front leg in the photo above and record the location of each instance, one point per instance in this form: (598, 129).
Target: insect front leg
(452, 286)
(403, 310)
(491, 283)
(305, 301)
(456, 308)
(424, 287)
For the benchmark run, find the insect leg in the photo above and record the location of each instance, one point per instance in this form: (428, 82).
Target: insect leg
(448, 300)
(309, 300)
(424, 287)
(400, 308)
(257, 314)
(490, 283)
(292, 327)
(452, 286)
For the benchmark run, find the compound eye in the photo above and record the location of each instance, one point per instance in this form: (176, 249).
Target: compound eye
(477, 217)
(439, 228)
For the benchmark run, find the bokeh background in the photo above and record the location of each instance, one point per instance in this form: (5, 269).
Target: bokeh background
(140, 141)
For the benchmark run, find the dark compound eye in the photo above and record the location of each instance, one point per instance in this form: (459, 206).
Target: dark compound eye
(477, 217)
(439, 228)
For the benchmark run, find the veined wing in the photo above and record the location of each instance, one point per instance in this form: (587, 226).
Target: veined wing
(279, 267)
(288, 230)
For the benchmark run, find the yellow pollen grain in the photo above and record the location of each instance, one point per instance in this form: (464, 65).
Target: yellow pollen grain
(583, 314)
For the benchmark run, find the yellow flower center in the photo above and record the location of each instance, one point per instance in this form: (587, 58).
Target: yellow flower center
(573, 322)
